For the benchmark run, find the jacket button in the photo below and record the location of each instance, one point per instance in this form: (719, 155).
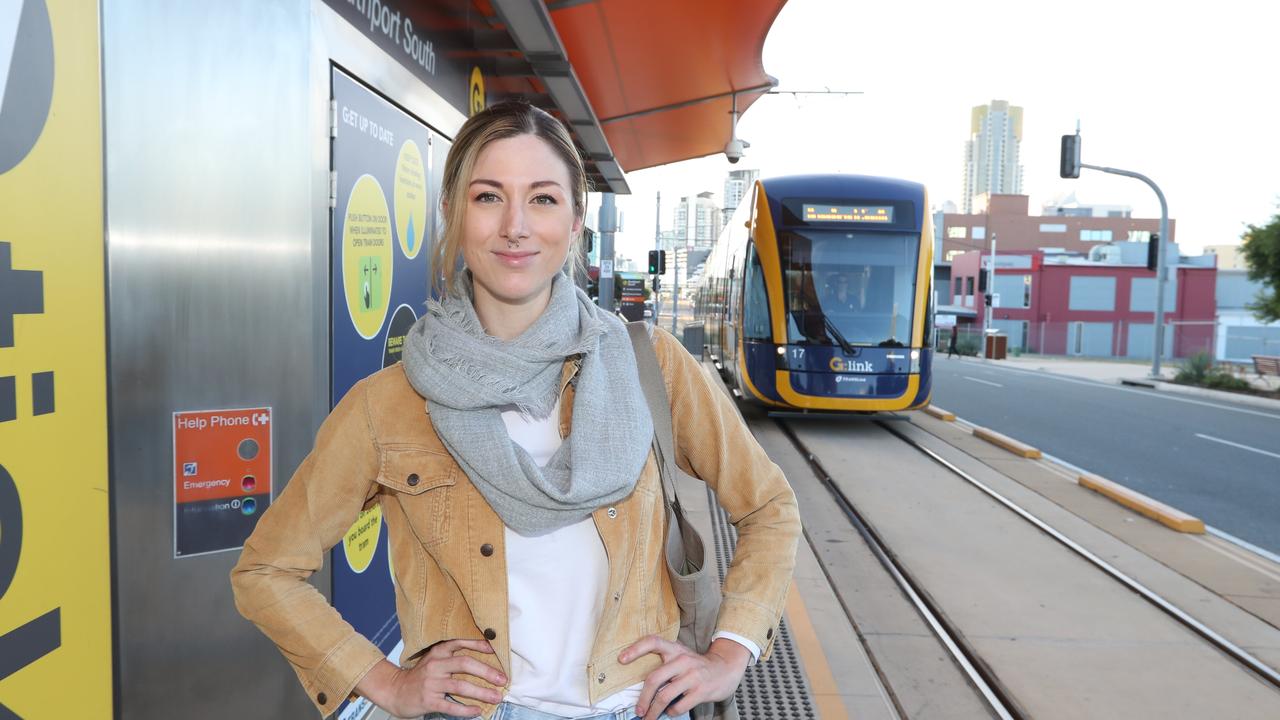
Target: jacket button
(769, 635)
(322, 698)
(613, 513)
(412, 479)
(600, 678)
(489, 634)
(486, 550)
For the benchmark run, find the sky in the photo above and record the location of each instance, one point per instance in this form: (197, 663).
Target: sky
(1184, 93)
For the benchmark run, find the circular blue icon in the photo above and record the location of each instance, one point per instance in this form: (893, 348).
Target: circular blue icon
(248, 506)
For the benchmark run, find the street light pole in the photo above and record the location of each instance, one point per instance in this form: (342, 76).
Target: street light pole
(657, 245)
(608, 223)
(1162, 263)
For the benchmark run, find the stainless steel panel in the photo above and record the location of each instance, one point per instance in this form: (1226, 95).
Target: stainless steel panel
(217, 159)
(212, 304)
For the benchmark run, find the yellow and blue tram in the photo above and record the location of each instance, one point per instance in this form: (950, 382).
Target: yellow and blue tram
(817, 295)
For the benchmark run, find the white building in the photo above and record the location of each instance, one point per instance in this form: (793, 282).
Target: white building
(1240, 335)
(1068, 206)
(737, 187)
(1229, 256)
(991, 155)
(698, 219)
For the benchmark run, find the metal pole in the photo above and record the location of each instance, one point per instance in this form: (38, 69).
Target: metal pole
(608, 222)
(657, 245)
(1162, 263)
(675, 287)
(988, 316)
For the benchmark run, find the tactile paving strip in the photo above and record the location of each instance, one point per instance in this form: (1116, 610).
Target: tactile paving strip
(776, 689)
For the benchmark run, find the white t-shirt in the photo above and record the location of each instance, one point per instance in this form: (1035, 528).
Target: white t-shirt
(556, 586)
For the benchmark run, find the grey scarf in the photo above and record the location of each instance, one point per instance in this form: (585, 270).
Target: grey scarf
(467, 377)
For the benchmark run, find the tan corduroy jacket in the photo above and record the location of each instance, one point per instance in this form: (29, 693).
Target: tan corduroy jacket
(378, 446)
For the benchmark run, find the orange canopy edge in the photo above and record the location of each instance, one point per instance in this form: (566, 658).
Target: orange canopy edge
(661, 75)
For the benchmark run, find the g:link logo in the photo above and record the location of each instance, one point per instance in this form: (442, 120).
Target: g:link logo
(839, 364)
(26, 77)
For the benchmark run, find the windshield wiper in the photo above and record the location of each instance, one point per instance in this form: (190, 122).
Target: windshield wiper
(835, 333)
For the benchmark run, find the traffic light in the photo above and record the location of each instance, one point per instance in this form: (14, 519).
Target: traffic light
(1153, 252)
(1069, 167)
(657, 262)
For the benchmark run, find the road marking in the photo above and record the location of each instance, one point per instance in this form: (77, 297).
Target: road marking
(984, 382)
(1144, 393)
(1236, 444)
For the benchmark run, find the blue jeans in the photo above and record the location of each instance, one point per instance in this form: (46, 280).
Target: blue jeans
(507, 711)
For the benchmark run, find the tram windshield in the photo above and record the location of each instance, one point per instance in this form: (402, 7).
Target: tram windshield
(849, 288)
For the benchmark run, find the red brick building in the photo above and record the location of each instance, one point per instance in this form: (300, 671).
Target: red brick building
(1061, 304)
(1017, 231)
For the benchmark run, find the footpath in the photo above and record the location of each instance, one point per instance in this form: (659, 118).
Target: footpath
(1136, 373)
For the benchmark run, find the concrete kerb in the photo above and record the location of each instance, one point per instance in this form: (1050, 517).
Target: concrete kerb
(1154, 509)
(944, 415)
(1164, 514)
(1001, 440)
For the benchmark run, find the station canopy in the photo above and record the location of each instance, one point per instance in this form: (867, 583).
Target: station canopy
(641, 82)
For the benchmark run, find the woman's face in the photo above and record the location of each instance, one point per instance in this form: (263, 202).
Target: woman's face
(519, 220)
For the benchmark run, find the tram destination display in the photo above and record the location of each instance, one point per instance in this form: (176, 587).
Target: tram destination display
(848, 213)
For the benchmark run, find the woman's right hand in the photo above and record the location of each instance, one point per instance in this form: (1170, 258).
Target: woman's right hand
(421, 689)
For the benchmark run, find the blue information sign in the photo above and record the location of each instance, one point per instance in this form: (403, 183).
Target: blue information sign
(380, 246)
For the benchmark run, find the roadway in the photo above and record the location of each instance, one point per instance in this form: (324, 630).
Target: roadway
(1214, 459)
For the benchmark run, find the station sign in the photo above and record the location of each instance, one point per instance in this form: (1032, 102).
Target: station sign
(411, 33)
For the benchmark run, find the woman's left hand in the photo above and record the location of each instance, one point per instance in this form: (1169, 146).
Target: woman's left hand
(685, 678)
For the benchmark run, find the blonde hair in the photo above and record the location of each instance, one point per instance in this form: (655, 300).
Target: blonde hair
(497, 122)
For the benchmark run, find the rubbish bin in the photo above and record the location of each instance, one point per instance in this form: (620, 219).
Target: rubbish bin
(997, 347)
(694, 338)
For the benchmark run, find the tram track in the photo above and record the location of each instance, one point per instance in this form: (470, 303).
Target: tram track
(966, 658)
(1000, 699)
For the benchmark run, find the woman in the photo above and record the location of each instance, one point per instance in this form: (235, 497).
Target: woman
(523, 504)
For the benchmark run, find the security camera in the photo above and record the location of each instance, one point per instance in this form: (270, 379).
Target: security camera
(733, 150)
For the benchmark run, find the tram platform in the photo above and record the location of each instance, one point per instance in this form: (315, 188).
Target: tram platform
(945, 600)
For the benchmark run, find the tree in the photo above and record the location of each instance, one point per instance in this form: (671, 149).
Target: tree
(1261, 248)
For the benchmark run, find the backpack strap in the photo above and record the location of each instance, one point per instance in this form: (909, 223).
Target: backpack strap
(655, 395)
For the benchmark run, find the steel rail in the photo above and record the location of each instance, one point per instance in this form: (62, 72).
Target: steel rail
(1224, 645)
(996, 697)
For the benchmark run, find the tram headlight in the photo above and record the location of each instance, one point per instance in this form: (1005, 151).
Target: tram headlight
(915, 362)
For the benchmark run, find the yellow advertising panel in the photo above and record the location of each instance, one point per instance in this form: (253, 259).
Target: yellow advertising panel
(55, 595)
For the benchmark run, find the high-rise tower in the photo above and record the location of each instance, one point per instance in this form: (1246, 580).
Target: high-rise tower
(991, 157)
(737, 187)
